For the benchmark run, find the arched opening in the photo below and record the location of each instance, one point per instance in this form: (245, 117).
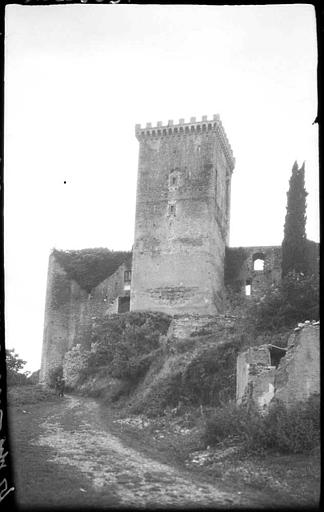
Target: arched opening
(258, 261)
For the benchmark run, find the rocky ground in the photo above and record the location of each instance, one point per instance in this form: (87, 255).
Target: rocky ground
(77, 452)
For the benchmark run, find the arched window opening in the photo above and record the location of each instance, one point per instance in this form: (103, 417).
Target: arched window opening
(258, 261)
(248, 287)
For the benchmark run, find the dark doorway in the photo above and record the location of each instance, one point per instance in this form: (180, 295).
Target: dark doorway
(123, 304)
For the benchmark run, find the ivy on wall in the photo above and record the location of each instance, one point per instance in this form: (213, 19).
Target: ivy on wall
(89, 267)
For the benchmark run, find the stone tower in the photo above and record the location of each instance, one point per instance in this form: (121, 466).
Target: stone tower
(182, 217)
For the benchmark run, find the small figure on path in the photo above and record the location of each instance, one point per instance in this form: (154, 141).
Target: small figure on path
(59, 386)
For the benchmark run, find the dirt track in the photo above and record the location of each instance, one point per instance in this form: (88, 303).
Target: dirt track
(75, 440)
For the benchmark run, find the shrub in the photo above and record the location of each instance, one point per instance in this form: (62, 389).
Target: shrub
(287, 430)
(209, 378)
(14, 365)
(75, 366)
(295, 299)
(125, 344)
(164, 393)
(128, 343)
(55, 372)
(293, 430)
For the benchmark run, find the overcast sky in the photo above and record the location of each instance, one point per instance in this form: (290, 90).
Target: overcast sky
(77, 80)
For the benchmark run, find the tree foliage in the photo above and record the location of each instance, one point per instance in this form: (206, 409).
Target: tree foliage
(294, 246)
(14, 365)
(89, 267)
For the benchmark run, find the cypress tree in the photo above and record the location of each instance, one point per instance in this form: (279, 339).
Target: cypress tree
(294, 255)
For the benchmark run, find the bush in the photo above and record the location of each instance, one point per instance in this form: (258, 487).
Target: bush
(294, 430)
(295, 299)
(287, 430)
(209, 379)
(55, 372)
(128, 343)
(125, 344)
(75, 366)
(164, 393)
(14, 365)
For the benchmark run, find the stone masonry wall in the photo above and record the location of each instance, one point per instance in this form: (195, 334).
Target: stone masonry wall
(261, 280)
(295, 378)
(182, 218)
(70, 312)
(298, 374)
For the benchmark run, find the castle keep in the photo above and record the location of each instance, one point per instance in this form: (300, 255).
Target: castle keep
(182, 217)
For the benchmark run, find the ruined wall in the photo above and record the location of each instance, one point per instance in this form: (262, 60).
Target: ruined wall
(185, 326)
(298, 374)
(70, 312)
(255, 376)
(61, 296)
(261, 375)
(182, 217)
(260, 280)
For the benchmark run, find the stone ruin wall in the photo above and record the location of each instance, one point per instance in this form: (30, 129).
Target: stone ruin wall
(70, 312)
(261, 280)
(293, 377)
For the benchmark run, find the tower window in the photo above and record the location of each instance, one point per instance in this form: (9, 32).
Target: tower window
(258, 261)
(172, 209)
(127, 276)
(248, 287)
(173, 180)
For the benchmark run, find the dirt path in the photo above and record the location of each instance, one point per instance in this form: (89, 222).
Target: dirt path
(72, 436)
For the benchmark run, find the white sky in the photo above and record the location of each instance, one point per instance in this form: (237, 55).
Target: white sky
(78, 78)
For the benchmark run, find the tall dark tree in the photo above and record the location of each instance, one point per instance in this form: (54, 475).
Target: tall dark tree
(294, 245)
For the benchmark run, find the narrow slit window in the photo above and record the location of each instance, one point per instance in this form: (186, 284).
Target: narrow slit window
(248, 287)
(172, 209)
(127, 276)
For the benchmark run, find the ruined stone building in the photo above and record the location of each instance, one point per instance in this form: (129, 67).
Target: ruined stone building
(181, 234)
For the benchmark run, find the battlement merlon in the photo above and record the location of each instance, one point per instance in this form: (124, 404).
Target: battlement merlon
(182, 128)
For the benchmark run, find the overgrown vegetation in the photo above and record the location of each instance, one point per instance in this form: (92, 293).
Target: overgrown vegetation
(295, 299)
(125, 343)
(20, 396)
(288, 430)
(89, 267)
(200, 376)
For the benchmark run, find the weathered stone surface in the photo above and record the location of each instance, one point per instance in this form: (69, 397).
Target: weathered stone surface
(298, 373)
(185, 326)
(182, 219)
(261, 280)
(295, 378)
(255, 375)
(70, 312)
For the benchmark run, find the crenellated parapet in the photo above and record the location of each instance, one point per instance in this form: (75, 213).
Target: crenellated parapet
(183, 129)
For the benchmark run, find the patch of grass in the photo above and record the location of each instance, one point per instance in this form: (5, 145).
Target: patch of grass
(22, 395)
(286, 430)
